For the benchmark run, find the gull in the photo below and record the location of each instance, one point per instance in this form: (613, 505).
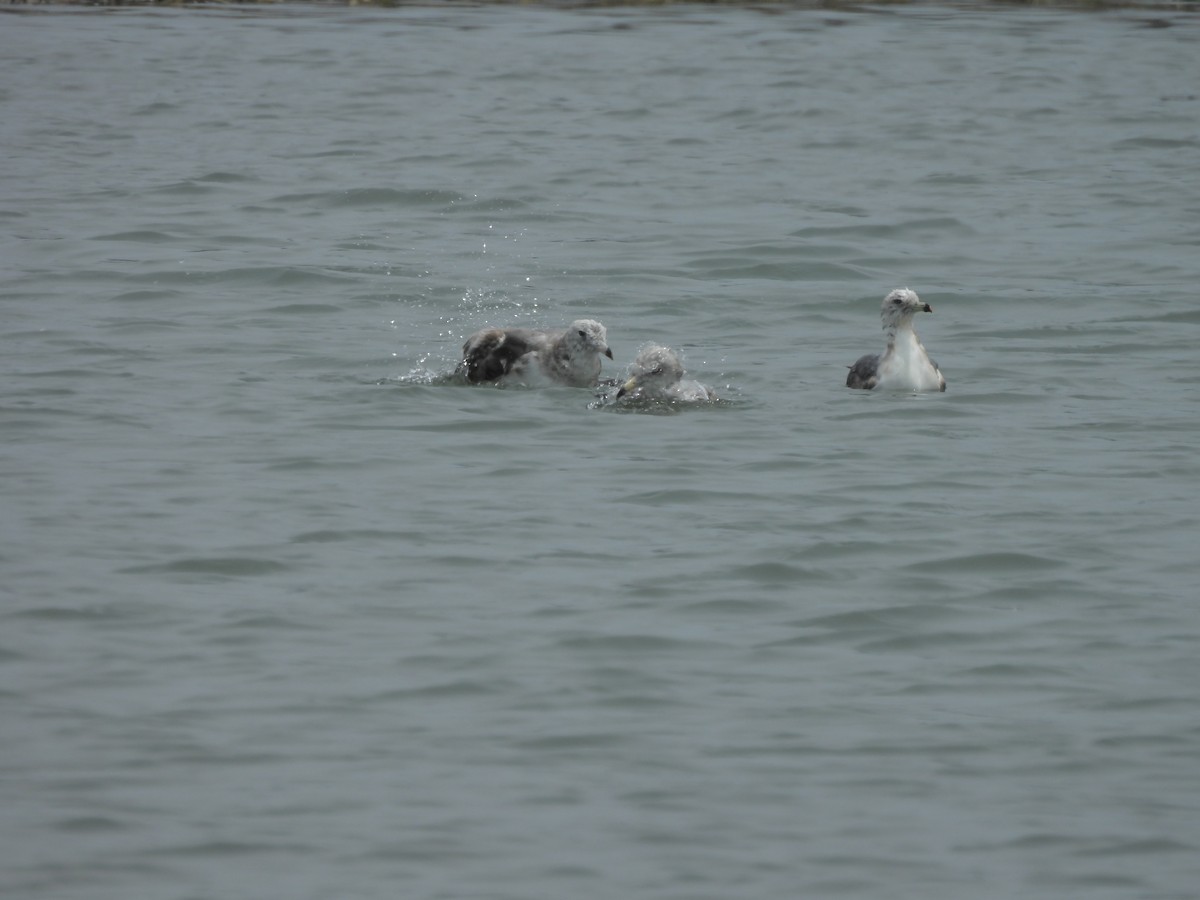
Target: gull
(904, 366)
(657, 374)
(569, 356)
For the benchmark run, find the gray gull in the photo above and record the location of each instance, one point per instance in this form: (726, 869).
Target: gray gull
(569, 356)
(904, 366)
(657, 374)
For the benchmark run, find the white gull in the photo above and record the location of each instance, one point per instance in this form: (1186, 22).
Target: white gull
(904, 365)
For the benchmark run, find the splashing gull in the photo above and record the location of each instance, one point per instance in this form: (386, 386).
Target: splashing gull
(904, 366)
(569, 356)
(657, 374)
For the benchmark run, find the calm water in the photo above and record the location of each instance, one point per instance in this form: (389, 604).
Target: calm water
(288, 612)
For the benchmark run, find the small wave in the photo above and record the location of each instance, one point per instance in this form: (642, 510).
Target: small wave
(228, 566)
(370, 197)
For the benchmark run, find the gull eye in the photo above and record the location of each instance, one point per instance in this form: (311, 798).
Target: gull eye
(898, 301)
(583, 334)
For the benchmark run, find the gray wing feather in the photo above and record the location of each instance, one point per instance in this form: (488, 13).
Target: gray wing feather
(491, 354)
(864, 373)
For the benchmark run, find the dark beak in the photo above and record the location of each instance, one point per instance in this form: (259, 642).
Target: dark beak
(928, 308)
(608, 352)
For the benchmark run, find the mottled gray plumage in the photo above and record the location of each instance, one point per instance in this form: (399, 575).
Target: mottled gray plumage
(569, 356)
(657, 374)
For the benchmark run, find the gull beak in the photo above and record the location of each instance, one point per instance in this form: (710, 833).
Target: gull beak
(927, 308)
(627, 387)
(608, 352)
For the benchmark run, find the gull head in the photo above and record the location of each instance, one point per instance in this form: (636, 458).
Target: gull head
(900, 306)
(654, 370)
(589, 335)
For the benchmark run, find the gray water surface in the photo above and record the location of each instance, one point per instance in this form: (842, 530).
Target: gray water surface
(286, 610)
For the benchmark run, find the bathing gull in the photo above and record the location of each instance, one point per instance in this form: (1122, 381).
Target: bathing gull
(569, 356)
(904, 366)
(657, 374)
